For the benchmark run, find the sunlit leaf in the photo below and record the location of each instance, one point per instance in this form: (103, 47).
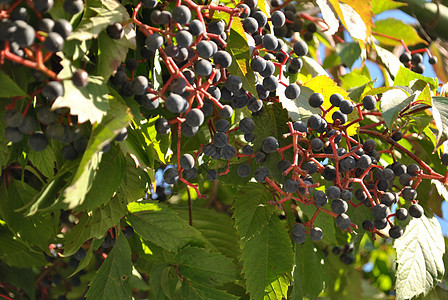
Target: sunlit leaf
(89, 103)
(440, 113)
(239, 50)
(379, 6)
(419, 257)
(397, 29)
(329, 16)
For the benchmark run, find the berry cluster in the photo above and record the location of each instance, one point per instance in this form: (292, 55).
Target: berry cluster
(414, 60)
(30, 37)
(345, 254)
(199, 94)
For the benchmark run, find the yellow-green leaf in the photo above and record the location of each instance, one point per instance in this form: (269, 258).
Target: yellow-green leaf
(378, 6)
(396, 29)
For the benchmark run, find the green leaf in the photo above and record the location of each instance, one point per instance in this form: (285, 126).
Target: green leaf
(22, 278)
(157, 277)
(17, 254)
(36, 230)
(44, 161)
(97, 16)
(160, 225)
(252, 210)
(216, 227)
(378, 6)
(277, 289)
(117, 118)
(277, 116)
(239, 50)
(156, 71)
(201, 266)
(8, 87)
(89, 103)
(313, 67)
(267, 256)
(397, 29)
(324, 222)
(299, 109)
(388, 60)
(48, 195)
(145, 145)
(197, 291)
(440, 114)
(356, 78)
(348, 52)
(420, 258)
(405, 77)
(94, 224)
(132, 187)
(332, 60)
(392, 103)
(107, 179)
(110, 60)
(96, 243)
(158, 143)
(308, 284)
(111, 281)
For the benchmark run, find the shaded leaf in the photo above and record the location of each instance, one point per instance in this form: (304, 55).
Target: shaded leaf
(94, 224)
(201, 266)
(252, 210)
(96, 243)
(419, 257)
(267, 256)
(324, 222)
(197, 291)
(16, 254)
(44, 161)
(110, 60)
(299, 109)
(308, 284)
(22, 278)
(156, 277)
(8, 87)
(392, 103)
(160, 225)
(389, 61)
(108, 178)
(216, 227)
(111, 280)
(348, 52)
(313, 67)
(35, 230)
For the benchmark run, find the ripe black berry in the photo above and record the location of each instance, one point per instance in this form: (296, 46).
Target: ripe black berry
(115, 31)
(80, 78)
(416, 210)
